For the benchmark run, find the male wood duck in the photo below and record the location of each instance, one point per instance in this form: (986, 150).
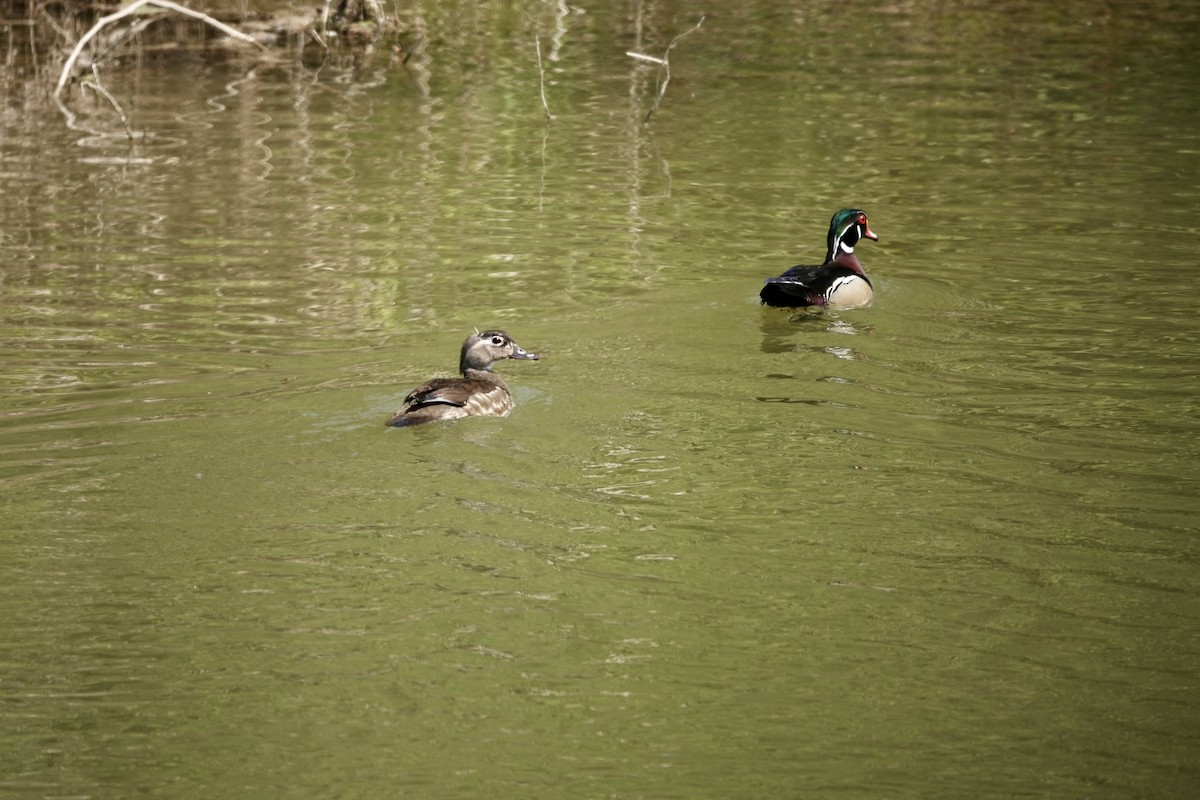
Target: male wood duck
(478, 393)
(838, 283)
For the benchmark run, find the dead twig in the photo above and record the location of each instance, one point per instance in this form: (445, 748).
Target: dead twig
(96, 86)
(316, 37)
(541, 76)
(664, 66)
(133, 8)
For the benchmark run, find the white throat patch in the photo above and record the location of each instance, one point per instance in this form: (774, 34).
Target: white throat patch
(841, 240)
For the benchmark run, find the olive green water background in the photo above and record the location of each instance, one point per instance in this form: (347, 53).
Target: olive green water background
(945, 546)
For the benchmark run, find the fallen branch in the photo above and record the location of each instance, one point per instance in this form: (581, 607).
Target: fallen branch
(133, 8)
(664, 66)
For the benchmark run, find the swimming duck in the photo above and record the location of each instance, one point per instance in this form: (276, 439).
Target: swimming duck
(478, 393)
(838, 283)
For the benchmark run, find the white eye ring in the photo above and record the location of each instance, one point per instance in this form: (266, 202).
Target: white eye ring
(498, 340)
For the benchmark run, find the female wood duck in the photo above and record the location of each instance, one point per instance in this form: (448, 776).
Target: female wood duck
(838, 283)
(478, 393)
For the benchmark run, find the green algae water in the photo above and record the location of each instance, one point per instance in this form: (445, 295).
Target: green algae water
(944, 546)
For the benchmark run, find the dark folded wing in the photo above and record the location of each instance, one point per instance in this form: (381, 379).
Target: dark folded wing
(440, 391)
(799, 286)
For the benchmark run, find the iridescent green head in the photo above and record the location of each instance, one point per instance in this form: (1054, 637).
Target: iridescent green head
(845, 229)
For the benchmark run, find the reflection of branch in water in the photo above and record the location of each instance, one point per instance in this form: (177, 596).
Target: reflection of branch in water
(542, 184)
(665, 64)
(417, 60)
(560, 29)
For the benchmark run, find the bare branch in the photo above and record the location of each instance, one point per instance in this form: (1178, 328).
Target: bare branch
(666, 67)
(316, 37)
(690, 30)
(133, 8)
(541, 76)
(324, 18)
(98, 87)
(644, 57)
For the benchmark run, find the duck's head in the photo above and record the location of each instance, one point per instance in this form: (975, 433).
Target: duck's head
(481, 350)
(845, 229)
